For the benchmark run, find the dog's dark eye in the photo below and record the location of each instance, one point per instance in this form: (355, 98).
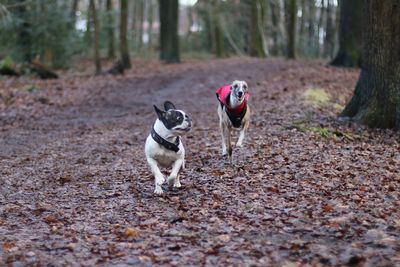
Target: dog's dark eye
(179, 118)
(235, 86)
(245, 87)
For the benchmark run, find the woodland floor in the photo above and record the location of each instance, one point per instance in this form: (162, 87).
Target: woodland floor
(307, 188)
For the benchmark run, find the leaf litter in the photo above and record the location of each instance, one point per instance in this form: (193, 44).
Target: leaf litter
(306, 189)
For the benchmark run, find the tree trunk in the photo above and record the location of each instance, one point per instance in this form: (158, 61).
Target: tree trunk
(292, 10)
(350, 34)
(190, 20)
(257, 42)
(169, 40)
(150, 19)
(123, 34)
(204, 12)
(74, 8)
(110, 29)
(217, 40)
(96, 36)
(88, 34)
(312, 42)
(24, 37)
(302, 30)
(139, 23)
(329, 30)
(376, 100)
(275, 28)
(321, 28)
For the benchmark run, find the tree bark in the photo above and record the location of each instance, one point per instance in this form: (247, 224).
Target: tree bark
(123, 34)
(217, 40)
(277, 30)
(350, 34)
(24, 37)
(190, 12)
(169, 40)
(329, 31)
(257, 42)
(376, 100)
(96, 36)
(321, 28)
(139, 23)
(303, 21)
(110, 29)
(88, 34)
(150, 19)
(74, 8)
(312, 42)
(292, 9)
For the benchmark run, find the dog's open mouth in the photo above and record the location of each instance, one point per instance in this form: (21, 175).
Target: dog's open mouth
(184, 129)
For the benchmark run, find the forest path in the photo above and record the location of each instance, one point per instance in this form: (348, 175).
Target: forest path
(75, 187)
(191, 88)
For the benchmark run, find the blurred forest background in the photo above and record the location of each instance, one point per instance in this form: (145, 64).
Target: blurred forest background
(57, 33)
(44, 36)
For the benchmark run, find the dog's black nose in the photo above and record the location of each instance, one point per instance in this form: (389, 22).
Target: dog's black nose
(240, 94)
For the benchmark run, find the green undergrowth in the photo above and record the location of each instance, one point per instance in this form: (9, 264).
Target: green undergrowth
(319, 97)
(31, 88)
(316, 97)
(307, 124)
(324, 132)
(6, 63)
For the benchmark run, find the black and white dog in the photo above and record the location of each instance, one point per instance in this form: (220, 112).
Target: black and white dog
(233, 112)
(164, 147)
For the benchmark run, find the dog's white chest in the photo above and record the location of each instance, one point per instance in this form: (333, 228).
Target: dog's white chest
(165, 158)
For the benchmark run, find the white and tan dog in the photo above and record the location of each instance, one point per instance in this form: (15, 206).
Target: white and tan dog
(233, 112)
(164, 147)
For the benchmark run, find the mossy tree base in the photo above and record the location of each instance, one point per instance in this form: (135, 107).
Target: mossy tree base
(376, 100)
(343, 59)
(372, 105)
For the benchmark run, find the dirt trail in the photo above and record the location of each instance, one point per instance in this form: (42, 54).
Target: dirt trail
(190, 88)
(75, 188)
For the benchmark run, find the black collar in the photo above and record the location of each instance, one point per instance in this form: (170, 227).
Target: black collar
(161, 141)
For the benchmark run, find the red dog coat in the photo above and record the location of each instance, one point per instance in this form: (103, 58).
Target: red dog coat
(235, 114)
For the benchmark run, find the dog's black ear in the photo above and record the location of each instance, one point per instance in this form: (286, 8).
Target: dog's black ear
(160, 113)
(168, 105)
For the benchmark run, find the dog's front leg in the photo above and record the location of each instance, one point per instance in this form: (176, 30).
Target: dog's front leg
(222, 130)
(241, 134)
(228, 144)
(158, 176)
(173, 178)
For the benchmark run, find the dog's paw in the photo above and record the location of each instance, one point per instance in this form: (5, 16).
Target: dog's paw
(160, 181)
(158, 190)
(177, 184)
(171, 180)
